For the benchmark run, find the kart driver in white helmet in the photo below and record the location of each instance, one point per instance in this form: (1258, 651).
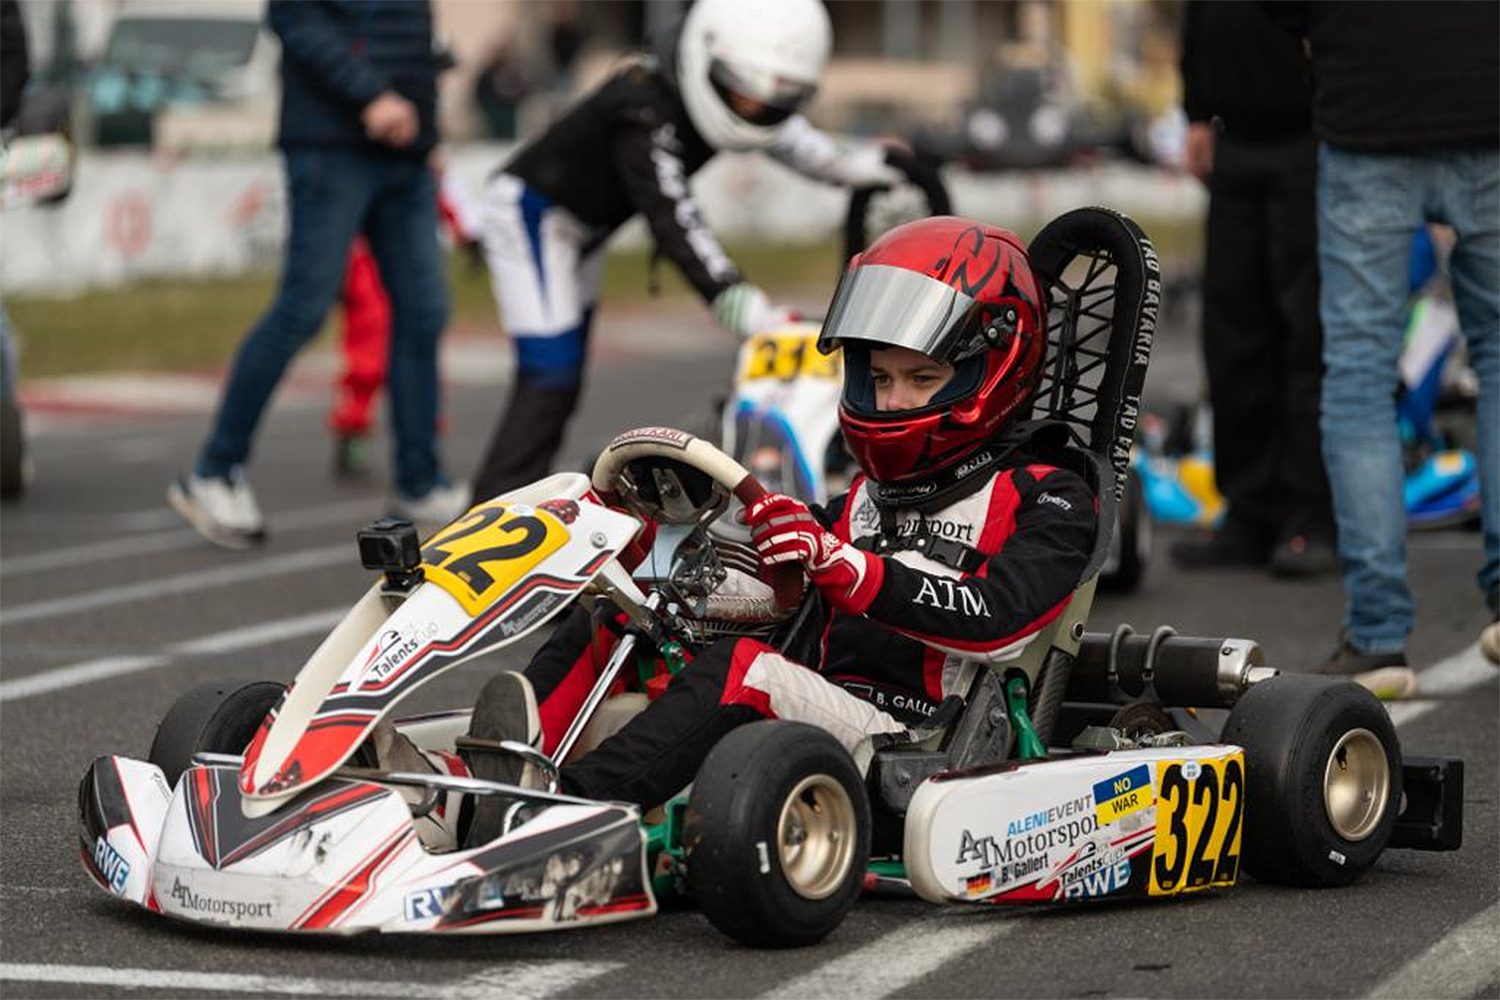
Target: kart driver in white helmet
(731, 77)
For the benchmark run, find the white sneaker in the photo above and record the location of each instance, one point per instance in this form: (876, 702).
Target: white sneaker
(439, 506)
(223, 511)
(1489, 642)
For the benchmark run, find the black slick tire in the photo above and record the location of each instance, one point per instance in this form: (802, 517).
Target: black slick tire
(777, 835)
(215, 717)
(1323, 779)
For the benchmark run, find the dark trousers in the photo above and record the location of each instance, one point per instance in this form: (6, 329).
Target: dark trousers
(1262, 340)
(658, 752)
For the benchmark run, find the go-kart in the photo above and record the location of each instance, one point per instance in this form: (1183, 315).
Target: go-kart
(1092, 766)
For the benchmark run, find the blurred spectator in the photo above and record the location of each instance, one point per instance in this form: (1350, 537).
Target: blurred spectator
(15, 62)
(365, 342)
(499, 87)
(1249, 109)
(731, 76)
(15, 67)
(357, 123)
(1407, 108)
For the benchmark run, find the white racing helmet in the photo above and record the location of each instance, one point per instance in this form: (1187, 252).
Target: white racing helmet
(771, 51)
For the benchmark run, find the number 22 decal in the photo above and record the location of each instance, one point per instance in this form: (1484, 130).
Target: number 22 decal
(1198, 825)
(480, 556)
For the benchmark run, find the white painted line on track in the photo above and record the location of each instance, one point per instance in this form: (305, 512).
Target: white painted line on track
(1442, 681)
(518, 979)
(179, 583)
(230, 641)
(1460, 964)
(894, 961)
(90, 553)
(79, 673)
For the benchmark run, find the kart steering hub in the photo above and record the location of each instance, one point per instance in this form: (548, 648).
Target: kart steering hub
(1356, 784)
(815, 839)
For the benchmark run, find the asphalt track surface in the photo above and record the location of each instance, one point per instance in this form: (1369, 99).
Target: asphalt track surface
(109, 608)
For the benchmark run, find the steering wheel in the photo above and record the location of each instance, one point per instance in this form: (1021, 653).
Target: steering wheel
(672, 477)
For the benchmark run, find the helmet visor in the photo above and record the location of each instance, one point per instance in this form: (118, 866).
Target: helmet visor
(898, 307)
(760, 98)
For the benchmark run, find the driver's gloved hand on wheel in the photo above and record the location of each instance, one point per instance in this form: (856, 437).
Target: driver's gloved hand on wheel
(746, 310)
(784, 530)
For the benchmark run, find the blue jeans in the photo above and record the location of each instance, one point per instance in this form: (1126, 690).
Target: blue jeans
(1369, 204)
(332, 195)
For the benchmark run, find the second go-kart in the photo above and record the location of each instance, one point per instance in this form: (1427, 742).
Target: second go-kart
(1096, 765)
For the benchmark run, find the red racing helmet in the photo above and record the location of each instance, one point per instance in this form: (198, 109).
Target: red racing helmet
(960, 292)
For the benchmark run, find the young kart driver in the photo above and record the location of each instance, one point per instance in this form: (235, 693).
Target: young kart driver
(956, 543)
(732, 77)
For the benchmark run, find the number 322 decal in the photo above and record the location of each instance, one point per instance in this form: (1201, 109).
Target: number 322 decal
(1199, 809)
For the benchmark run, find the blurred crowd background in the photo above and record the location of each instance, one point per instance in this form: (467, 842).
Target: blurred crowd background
(1035, 105)
(1003, 82)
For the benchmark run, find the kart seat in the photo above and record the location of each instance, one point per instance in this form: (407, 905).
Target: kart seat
(1103, 280)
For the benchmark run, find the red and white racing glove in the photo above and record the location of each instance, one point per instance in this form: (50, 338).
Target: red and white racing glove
(784, 530)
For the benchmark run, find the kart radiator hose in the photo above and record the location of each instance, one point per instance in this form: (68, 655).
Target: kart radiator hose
(1185, 671)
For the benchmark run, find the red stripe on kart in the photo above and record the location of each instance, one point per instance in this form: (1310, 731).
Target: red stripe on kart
(252, 755)
(329, 805)
(352, 889)
(625, 904)
(129, 809)
(320, 757)
(202, 790)
(87, 857)
(529, 912)
(477, 626)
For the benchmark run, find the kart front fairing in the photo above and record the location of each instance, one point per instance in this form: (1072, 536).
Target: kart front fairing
(492, 577)
(344, 857)
(285, 838)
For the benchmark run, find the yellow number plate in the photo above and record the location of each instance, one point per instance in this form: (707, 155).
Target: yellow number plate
(1200, 807)
(787, 356)
(488, 550)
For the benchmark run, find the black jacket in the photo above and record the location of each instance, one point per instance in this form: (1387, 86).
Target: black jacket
(1402, 74)
(15, 66)
(339, 55)
(629, 147)
(1240, 67)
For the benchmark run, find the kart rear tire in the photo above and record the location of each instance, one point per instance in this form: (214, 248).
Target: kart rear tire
(760, 787)
(1323, 779)
(215, 717)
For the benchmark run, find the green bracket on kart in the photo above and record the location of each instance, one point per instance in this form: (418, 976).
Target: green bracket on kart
(665, 851)
(1028, 744)
(671, 652)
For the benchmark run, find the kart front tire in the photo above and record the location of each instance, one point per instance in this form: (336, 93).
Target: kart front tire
(215, 717)
(777, 834)
(1323, 777)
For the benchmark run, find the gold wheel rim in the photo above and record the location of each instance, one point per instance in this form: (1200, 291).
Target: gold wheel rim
(815, 836)
(1356, 784)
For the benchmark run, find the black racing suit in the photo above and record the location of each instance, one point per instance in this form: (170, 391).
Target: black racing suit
(1020, 538)
(628, 147)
